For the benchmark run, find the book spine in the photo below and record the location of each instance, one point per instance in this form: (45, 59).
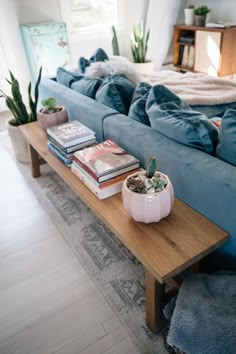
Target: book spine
(60, 151)
(85, 168)
(108, 182)
(60, 157)
(101, 194)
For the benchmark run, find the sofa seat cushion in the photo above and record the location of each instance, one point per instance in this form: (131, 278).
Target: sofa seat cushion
(226, 149)
(116, 92)
(87, 86)
(137, 109)
(171, 116)
(66, 77)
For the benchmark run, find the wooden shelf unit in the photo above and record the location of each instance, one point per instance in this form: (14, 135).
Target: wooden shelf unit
(214, 49)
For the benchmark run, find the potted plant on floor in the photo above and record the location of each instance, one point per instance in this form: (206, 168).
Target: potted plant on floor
(200, 15)
(139, 46)
(20, 114)
(148, 195)
(51, 114)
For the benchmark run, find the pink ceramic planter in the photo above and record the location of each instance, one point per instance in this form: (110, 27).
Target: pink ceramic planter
(52, 119)
(148, 207)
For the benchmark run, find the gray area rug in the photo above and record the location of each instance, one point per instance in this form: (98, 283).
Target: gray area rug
(114, 270)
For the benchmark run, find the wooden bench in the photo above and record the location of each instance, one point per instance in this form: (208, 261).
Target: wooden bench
(165, 249)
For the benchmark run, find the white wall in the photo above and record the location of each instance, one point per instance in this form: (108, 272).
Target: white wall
(34, 11)
(221, 10)
(11, 46)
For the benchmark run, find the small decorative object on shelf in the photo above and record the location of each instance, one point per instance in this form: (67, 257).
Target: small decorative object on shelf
(20, 114)
(200, 15)
(51, 114)
(189, 15)
(148, 195)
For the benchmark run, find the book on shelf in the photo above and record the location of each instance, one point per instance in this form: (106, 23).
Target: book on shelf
(72, 148)
(185, 56)
(188, 55)
(105, 160)
(100, 193)
(221, 24)
(191, 56)
(181, 52)
(186, 39)
(106, 183)
(71, 133)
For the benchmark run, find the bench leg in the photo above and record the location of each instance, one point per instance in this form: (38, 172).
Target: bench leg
(155, 299)
(34, 162)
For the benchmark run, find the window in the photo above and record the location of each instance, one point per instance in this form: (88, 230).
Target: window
(93, 13)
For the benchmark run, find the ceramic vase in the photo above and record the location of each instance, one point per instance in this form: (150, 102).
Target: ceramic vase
(148, 207)
(200, 20)
(48, 120)
(189, 17)
(20, 146)
(146, 68)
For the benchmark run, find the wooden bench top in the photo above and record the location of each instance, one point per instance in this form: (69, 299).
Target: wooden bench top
(164, 248)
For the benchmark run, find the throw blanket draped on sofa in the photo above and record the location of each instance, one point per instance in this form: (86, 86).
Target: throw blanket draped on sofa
(195, 89)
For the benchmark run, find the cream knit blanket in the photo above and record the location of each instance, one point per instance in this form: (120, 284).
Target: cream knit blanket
(194, 88)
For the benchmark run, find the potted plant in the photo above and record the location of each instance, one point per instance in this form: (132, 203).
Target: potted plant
(189, 15)
(148, 195)
(139, 46)
(20, 114)
(200, 15)
(51, 114)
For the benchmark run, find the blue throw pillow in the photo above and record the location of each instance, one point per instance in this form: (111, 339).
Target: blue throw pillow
(99, 55)
(66, 78)
(116, 92)
(172, 117)
(137, 109)
(87, 86)
(226, 149)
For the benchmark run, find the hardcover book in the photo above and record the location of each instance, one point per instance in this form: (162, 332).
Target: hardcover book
(105, 158)
(100, 193)
(71, 133)
(73, 148)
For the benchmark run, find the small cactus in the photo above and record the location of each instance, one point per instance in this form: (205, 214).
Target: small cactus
(151, 167)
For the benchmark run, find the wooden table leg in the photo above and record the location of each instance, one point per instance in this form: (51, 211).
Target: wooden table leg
(155, 295)
(34, 162)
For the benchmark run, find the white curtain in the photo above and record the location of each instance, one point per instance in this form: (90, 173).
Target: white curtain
(161, 17)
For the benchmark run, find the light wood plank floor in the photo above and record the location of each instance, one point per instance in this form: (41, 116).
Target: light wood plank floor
(48, 302)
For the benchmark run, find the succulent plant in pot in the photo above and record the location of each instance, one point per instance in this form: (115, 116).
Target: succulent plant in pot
(200, 15)
(148, 195)
(21, 114)
(51, 114)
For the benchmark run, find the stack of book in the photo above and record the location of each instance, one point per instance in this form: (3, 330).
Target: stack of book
(104, 167)
(65, 139)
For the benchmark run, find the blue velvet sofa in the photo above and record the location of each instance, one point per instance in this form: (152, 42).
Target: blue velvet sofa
(203, 181)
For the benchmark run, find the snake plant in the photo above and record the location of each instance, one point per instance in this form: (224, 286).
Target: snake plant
(16, 104)
(139, 43)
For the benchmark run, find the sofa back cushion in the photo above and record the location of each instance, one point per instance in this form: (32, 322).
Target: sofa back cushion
(226, 149)
(116, 92)
(137, 109)
(66, 77)
(87, 86)
(172, 117)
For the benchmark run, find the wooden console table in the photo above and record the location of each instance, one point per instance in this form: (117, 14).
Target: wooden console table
(165, 248)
